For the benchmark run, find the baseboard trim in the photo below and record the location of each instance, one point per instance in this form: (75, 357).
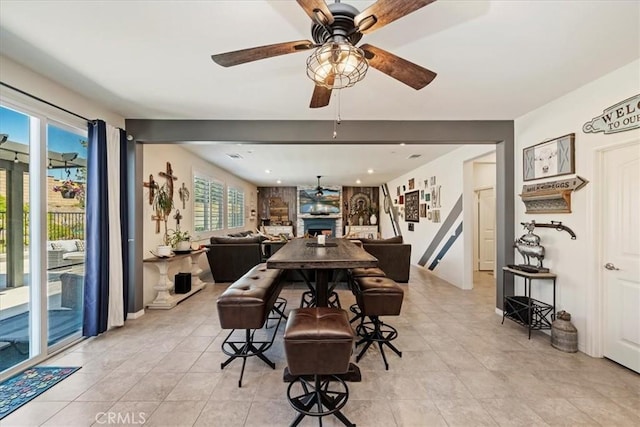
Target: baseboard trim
(498, 312)
(136, 315)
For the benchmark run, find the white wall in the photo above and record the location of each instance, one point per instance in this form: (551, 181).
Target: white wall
(574, 261)
(184, 164)
(484, 172)
(448, 171)
(29, 81)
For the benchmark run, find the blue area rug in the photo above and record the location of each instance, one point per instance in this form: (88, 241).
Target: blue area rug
(21, 388)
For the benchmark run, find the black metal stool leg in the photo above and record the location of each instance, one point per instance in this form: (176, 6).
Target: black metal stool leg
(318, 395)
(364, 349)
(377, 335)
(248, 348)
(384, 357)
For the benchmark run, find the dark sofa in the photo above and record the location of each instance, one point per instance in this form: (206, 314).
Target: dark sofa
(231, 257)
(394, 256)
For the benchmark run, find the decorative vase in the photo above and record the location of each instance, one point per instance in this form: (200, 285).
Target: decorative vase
(163, 250)
(183, 245)
(373, 220)
(564, 336)
(360, 220)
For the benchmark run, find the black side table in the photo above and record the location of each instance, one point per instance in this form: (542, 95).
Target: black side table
(525, 310)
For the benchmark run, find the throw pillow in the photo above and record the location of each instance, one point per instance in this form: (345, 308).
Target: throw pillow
(80, 245)
(56, 246)
(240, 234)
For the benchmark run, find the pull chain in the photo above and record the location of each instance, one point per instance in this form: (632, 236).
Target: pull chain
(336, 122)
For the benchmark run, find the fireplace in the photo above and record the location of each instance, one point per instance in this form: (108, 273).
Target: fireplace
(315, 226)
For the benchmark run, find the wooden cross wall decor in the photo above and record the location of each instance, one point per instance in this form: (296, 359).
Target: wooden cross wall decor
(177, 217)
(152, 186)
(183, 194)
(170, 178)
(157, 219)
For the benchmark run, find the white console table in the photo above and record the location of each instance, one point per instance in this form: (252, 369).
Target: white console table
(362, 231)
(276, 230)
(165, 299)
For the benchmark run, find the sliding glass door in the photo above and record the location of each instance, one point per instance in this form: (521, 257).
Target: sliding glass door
(42, 176)
(15, 295)
(66, 179)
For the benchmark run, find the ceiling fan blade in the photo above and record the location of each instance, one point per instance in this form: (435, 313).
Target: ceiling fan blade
(238, 57)
(317, 11)
(321, 97)
(384, 12)
(400, 69)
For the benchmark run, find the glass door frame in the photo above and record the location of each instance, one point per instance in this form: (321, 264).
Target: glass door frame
(40, 115)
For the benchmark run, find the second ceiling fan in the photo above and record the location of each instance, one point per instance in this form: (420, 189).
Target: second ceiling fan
(337, 63)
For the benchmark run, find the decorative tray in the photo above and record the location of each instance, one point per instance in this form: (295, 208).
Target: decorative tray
(317, 245)
(161, 256)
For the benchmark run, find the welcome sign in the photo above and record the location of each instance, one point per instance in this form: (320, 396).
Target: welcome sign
(621, 117)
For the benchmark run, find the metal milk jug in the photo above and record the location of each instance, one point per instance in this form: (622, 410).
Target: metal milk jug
(564, 336)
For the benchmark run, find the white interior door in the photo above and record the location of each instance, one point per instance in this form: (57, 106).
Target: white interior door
(621, 255)
(486, 229)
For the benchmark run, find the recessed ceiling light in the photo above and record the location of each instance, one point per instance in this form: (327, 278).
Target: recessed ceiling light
(358, 181)
(402, 144)
(279, 181)
(267, 171)
(369, 171)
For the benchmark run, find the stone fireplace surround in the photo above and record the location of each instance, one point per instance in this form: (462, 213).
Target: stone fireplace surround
(319, 222)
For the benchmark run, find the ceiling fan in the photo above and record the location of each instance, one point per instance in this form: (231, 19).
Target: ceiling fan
(337, 62)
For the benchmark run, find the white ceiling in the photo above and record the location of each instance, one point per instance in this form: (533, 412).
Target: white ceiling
(494, 59)
(338, 165)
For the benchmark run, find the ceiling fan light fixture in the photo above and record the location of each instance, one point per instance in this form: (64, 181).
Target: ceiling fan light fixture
(337, 65)
(319, 192)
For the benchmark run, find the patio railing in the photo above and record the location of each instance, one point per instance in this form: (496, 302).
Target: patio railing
(60, 226)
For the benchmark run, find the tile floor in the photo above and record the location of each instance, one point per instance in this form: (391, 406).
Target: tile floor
(460, 367)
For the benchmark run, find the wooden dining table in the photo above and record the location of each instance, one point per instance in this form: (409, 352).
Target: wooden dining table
(306, 254)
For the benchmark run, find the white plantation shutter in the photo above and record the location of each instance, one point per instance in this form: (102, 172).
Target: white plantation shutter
(208, 204)
(235, 208)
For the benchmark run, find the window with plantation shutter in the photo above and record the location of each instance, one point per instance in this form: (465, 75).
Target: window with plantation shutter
(235, 208)
(208, 204)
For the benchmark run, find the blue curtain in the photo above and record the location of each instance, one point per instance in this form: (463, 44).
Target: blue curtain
(96, 276)
(96, 287)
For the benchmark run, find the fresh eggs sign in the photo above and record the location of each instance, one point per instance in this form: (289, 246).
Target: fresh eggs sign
(623, 116)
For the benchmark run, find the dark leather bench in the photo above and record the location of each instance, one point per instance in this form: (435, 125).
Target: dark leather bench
(247, 304)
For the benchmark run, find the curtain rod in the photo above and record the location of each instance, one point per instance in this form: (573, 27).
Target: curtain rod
(44, 101)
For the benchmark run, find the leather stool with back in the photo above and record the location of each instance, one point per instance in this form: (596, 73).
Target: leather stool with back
(353, 274)
(377, 296)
